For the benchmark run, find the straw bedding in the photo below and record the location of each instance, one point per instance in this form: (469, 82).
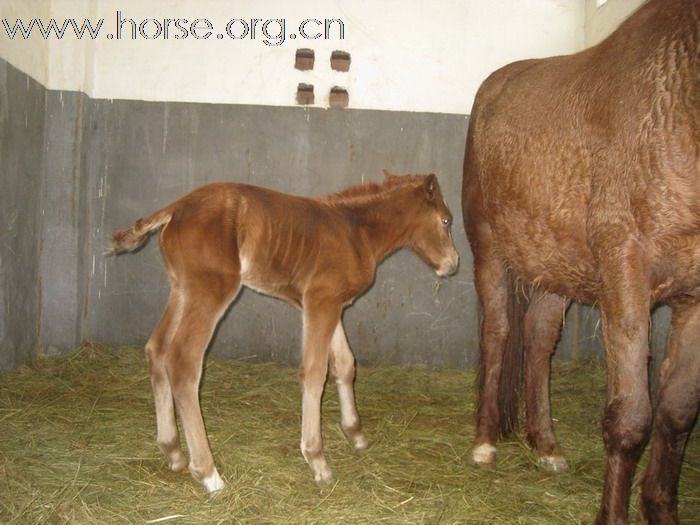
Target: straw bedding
(77, 445)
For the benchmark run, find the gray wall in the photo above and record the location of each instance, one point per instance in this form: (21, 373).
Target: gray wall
(81, 168)
(65, 227)
(22, 110)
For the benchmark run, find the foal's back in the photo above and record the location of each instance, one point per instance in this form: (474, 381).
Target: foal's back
(277, 243)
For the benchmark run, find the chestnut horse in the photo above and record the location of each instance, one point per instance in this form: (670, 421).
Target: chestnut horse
(318, 254)
(582, 182)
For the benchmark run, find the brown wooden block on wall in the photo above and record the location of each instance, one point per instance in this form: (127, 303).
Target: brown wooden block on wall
(305, 94)
(339, 97)
(304, 59)
(340, 61)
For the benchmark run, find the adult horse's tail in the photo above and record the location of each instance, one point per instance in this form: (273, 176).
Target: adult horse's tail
(129, 239)
(511, 379)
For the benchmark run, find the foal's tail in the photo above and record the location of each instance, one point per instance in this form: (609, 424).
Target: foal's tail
(512, 367)
(129, 239)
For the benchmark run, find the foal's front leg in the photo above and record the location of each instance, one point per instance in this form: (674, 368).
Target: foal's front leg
(320, 320)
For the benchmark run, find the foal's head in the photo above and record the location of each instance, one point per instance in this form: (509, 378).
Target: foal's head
(431, 220)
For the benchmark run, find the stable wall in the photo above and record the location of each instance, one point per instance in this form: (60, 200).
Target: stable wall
(101, 155)
(22, 114)
(403, 52)
(106, 163)
(603, 16)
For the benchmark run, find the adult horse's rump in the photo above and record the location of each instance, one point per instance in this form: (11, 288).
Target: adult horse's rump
(582, 182)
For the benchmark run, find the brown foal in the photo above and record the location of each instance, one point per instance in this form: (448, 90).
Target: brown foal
(318, 254)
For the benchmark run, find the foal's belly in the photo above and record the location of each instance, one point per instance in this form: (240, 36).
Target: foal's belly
(277, 288)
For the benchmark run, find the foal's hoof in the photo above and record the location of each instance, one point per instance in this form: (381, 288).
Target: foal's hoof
(323, 474)
(553, 464)
(213, 482)
(484, 455)
(359, 442)
(178, 463)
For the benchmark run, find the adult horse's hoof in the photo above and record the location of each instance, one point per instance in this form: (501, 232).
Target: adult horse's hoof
(553, 464)
(652, 511)
(484, 455)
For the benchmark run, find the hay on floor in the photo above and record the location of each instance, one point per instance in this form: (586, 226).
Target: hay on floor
(77, 445)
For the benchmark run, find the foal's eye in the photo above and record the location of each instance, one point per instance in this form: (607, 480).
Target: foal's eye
(445, 221)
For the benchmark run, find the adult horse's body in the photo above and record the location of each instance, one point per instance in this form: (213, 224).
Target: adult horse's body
(582, 181)
(318, 254)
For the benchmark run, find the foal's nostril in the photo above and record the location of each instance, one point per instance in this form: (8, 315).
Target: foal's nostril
(448, 267)
(454, 264)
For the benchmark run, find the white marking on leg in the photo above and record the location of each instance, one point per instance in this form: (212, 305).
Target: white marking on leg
(311, 440)
(484, 454)
(554, 464)
(213, 482)
(245, 264)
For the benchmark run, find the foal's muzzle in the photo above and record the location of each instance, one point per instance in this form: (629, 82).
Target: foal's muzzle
(448, 266)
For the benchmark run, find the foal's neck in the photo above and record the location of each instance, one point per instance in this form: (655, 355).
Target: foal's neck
(384, 221)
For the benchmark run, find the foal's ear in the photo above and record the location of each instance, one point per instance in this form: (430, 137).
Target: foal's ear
(429, 185)
(388, 175)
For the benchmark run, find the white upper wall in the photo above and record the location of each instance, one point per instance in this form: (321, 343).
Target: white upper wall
(408, 55)
(603, 16)
(32, 55)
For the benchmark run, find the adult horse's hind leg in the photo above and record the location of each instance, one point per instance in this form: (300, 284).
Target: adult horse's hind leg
(677, 408)
(492, 287)
(320, 321)
(205, 300)
(342, 367)
(156, 349)
(541, 330)
(624, 310)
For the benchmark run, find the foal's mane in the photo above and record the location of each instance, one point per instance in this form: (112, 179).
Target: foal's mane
(365, 193)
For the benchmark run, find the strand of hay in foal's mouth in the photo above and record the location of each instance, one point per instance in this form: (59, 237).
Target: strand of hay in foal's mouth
(77, 445)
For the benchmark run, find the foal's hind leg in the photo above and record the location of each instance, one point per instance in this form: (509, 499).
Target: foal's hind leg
(205, 300)
(541, 330)
(677, 408)
(342, 367)
(320, 321)
(156, 349)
